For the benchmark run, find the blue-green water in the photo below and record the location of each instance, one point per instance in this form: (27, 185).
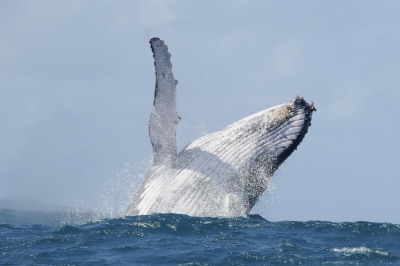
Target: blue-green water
(57, 239)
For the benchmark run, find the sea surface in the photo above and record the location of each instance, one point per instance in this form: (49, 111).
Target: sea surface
(66, 238)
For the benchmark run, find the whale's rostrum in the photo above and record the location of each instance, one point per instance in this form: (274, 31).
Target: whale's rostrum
(222, 173)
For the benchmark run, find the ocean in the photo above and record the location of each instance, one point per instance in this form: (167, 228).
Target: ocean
(66, 238)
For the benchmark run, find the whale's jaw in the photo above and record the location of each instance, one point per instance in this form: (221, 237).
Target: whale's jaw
(285, 127)
(287, 133)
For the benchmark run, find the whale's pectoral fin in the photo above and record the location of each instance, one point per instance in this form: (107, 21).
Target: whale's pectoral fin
(164, 118)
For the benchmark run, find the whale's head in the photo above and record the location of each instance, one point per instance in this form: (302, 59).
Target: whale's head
(267, 138)
(283, 130)
(280, 130)
(276, 132)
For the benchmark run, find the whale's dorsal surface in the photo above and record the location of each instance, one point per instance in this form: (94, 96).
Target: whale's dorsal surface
(164, 118)
(219, 174)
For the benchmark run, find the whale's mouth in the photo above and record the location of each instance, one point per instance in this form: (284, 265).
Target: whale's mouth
(290, 132)
(284, 129)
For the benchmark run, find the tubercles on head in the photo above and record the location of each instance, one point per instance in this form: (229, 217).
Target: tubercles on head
(299, 98)
(312, 107)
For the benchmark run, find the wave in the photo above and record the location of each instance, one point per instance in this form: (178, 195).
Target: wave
(180, 239)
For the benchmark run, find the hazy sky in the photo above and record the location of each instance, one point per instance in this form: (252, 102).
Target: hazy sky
(77, 85)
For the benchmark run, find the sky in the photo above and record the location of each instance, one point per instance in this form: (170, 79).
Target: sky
(77, 86)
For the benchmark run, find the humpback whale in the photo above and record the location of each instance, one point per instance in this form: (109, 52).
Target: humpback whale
(221, 174)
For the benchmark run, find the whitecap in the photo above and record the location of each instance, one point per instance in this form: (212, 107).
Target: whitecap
(358, 250)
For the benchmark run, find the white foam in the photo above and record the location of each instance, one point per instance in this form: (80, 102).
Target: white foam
(358, 250)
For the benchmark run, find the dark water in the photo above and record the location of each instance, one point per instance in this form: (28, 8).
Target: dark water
(41, 238)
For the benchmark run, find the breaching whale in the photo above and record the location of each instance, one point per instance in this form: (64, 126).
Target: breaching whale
(221, 174)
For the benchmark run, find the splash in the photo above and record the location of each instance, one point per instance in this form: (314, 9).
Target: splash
(113, 197)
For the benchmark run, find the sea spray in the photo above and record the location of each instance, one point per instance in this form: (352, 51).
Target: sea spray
(112, 198)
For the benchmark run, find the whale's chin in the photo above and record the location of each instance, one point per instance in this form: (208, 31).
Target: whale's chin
(291, 132)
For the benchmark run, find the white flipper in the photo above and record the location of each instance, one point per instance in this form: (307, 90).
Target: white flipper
(163, 119)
